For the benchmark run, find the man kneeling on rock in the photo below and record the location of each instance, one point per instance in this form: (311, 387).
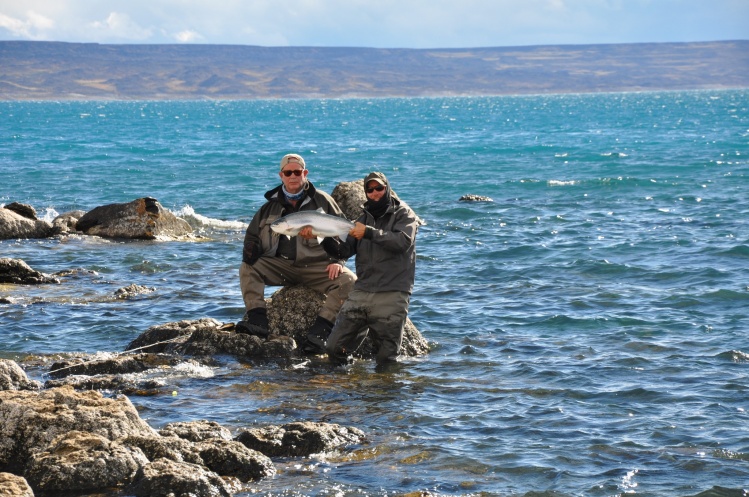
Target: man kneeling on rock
(269, 259)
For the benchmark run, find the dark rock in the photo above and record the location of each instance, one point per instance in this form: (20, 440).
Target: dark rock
(24, 210)
(14, 486)
(111, 382)
(66, 222)
(165, 478)
(474, 198)
(12, 377)
(196, 431)
(232, 458)
(14, 225)
(78, 461)
(207, 337)
(170, 447)
(18, 272)
(299, 439)
(143, 218)
(119, 364)
(31, 420)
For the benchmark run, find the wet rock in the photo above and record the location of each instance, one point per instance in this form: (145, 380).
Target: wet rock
(18, 272)
(12, 377)
(232, 458)
(143, 218)
(196, 431)
(132, 291)
(78, 461)
(118, 383)
(207, 337)
(18, 225)
(32, 420)
(14, 486)
(165, 478)
(66, 222)
(117, 364)
(474, 198)
(170, 447)
(299, 439)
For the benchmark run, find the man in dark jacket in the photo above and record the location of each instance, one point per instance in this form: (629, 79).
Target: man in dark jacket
(270, 259)
(384, 242)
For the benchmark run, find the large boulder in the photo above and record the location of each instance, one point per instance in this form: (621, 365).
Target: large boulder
(349, 195)
(19, 221)
(232, 458)
(18, 272)
(30, 421)
(12, 377)
(196, 431)
(80, 461)
(143, 218)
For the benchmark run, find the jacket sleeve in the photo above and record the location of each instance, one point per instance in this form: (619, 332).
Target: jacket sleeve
(341, 250)
(252, 250)
(401, 237)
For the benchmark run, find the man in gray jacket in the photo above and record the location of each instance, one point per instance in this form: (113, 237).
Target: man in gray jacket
(270, 259)
(384, 242)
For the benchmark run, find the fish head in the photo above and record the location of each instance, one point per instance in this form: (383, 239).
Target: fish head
(283, 227)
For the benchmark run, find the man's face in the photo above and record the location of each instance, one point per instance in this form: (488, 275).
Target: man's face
(372, 191)
(293, 182)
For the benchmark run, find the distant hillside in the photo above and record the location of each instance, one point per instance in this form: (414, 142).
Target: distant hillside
(50, 70)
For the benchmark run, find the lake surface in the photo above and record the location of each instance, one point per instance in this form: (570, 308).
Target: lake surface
(589, 325)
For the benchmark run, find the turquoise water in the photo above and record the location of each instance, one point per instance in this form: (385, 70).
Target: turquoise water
(589, 325)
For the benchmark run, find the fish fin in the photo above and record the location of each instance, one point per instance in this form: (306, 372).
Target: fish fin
(320, 210)
(320, 239)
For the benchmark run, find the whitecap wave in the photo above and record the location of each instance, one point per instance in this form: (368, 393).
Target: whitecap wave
(199, 221)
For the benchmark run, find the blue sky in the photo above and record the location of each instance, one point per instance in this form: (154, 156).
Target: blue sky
(375, 23)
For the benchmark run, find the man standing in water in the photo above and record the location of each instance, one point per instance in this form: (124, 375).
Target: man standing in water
(384, 242)
(269, 259)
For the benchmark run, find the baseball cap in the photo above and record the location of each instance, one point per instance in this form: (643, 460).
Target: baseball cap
(293, 158)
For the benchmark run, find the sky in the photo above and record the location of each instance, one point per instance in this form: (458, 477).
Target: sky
(375, 23)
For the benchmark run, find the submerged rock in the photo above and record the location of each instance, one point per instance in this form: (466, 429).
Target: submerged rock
(143, 218)
(300, 439)
(474, 198)
(18, 272)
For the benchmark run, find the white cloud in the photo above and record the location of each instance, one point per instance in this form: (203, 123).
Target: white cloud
(119, 26)
(381, 23)
(188, 36)
(33, 27)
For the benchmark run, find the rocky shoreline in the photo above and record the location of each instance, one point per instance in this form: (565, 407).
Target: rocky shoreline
(78, 433)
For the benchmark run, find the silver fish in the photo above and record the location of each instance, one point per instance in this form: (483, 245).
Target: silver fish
(323, 225)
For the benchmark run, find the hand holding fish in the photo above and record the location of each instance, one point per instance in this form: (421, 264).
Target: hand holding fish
(306, 233)
(358, 230)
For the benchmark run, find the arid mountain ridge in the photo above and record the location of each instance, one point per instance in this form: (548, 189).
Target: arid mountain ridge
(32, 70)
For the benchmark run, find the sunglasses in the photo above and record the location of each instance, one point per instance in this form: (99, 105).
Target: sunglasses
(379, 188)
(295, 172)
